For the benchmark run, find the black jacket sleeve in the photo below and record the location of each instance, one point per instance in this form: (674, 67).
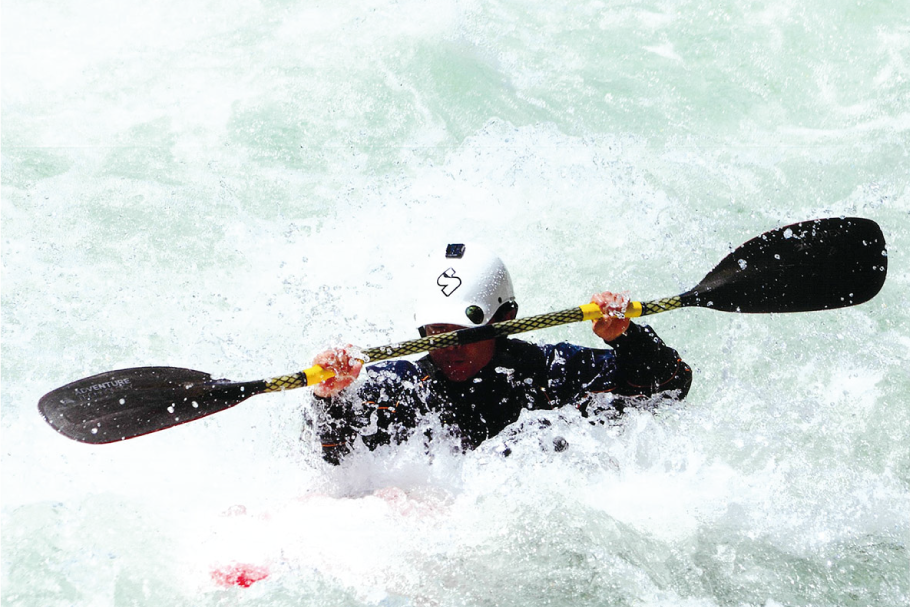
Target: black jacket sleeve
(338, 420)
(647, 366)
(379, 410)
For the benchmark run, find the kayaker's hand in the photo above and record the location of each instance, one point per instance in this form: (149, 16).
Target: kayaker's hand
(611, 305)
(346, 365)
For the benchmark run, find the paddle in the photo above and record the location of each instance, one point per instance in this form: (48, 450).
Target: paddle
(814, 265)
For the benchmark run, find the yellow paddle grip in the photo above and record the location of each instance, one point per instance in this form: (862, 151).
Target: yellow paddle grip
(591, 311)
(316, 375)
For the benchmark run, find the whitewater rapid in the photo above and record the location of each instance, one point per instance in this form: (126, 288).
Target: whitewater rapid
(234, 186)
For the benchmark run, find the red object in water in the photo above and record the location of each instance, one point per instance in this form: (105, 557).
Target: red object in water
(239, 574)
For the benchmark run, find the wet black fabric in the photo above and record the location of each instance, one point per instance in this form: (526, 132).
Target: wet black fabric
(389, 403)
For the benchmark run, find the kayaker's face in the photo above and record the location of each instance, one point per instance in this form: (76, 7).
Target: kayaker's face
(460, 363)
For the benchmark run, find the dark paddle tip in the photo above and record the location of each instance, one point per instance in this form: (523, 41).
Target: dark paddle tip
(118, 405)
(821, 264)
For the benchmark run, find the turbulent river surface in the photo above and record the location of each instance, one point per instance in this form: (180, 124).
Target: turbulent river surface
(233, 186)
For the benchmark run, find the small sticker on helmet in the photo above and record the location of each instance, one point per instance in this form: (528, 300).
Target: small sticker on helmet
(448, 281)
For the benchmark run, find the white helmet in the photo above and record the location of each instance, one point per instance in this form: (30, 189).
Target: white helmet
(464, 285)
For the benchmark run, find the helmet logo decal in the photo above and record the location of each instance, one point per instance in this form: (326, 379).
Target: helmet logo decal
(448, 281)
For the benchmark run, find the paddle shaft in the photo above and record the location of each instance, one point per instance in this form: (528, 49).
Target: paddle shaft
(591, 311)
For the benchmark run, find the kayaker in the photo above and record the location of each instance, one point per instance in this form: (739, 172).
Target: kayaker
(478, 389)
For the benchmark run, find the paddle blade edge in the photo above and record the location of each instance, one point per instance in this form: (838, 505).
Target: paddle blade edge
(119, 405)
(821, 264)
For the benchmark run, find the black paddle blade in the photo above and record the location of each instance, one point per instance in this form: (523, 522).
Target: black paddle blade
(117, 405)
(813, 265)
